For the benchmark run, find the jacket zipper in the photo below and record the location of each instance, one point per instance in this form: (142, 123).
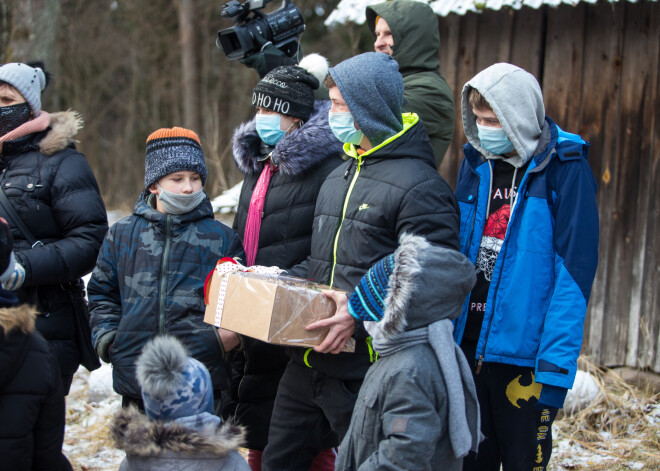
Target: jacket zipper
(163, 277)
(343, 215)
(490, 192)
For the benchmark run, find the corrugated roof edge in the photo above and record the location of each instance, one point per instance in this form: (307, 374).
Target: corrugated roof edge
(353, 10)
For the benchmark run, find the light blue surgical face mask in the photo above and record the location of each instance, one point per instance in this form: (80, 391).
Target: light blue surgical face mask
(268, 128)
(343, 127)
(494, 140)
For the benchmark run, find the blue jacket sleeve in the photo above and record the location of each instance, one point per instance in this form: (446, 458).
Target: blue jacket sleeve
(575, 215)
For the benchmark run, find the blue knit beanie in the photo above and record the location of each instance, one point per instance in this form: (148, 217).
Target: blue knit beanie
(367, 302)
(173, 150)
(29, 81)
(173, 384)
(372, 88)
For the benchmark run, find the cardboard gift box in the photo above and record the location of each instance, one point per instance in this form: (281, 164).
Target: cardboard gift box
(267, 306)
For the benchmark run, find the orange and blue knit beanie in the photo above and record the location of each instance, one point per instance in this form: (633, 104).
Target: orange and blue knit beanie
(172, 150)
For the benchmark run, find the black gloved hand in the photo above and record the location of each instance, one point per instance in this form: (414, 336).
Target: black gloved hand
(267, 59)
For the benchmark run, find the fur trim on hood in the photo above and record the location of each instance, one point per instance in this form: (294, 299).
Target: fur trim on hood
(63, 127)
(134, 433)
(296, 153)
(428, 283)
(21, 317)
(402, 282)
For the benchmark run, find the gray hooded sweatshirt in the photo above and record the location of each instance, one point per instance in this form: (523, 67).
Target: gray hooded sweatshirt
(417, 408)
(516, 99)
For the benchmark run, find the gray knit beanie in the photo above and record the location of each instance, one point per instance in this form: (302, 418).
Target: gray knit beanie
(29, 81)
(172, 150)
(288, 90)
(372, 88)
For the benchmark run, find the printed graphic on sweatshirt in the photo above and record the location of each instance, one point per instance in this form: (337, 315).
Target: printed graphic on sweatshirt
(491, 242)
(503, 193)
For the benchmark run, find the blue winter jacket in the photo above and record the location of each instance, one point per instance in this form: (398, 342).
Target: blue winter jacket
(542, 278)
(149, 280)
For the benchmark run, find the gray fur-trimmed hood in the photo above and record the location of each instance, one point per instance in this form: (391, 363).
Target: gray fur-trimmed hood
(297, 153)
(134, 433)
(64, 126)
(428, 283)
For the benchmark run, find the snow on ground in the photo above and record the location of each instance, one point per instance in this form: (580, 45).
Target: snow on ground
(88, 447)
(581, 440)
(86, 440)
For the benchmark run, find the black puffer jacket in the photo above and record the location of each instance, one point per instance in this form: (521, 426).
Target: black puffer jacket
(31, 396)
(51, 187)
(305, 158)
(362, 209)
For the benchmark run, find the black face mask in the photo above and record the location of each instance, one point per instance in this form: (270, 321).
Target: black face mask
(13, 116)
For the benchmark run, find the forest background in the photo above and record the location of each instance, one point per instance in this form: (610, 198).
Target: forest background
(131, 67)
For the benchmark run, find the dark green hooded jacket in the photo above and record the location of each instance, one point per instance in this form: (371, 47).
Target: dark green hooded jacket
(416, 36)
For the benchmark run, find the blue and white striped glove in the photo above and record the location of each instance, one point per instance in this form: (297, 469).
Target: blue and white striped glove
(16, 279)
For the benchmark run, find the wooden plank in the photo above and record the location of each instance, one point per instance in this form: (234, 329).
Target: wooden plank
(466, 68)
(450, 27)
(495, 29)
(649, 348)
(627, 237)
(638, 107)
(526, 49)
(562, 69)
(598, 118)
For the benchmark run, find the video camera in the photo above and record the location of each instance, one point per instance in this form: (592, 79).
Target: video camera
(254, 29)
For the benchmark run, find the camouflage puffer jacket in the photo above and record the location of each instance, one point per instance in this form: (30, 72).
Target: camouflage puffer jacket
(149, 280)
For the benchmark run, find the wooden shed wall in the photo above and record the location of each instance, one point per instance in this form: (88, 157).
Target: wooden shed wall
(599, 67)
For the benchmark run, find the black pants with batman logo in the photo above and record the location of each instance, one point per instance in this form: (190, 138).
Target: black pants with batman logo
(518, 432)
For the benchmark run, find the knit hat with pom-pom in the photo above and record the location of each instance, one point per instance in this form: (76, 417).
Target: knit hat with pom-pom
(173, 384)
(172, 150)
(289, 89)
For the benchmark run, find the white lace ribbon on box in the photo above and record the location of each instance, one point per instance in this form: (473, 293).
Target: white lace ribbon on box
(226, 268)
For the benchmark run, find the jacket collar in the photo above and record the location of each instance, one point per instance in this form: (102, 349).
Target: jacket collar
(297, 152)
(20, 317)
(60, 134)
(411, 142)
(134, 433)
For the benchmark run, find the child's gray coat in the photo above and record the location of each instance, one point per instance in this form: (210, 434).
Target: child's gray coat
(402, 419)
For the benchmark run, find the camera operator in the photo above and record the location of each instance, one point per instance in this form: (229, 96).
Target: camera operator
(262, 42)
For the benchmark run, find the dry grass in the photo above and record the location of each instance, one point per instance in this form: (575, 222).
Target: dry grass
(87, 443)
(621, 428)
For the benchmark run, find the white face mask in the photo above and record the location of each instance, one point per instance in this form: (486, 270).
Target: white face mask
(174, 203)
